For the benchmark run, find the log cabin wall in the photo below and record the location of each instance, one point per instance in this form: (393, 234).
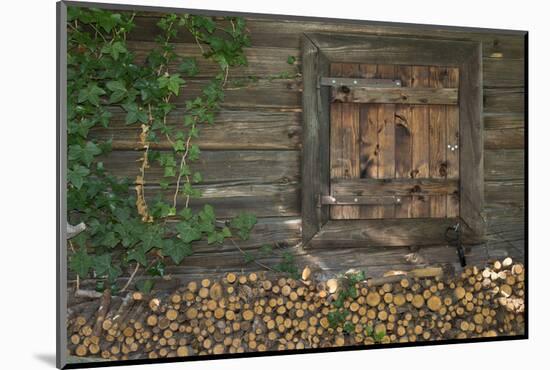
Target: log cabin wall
(250, 158)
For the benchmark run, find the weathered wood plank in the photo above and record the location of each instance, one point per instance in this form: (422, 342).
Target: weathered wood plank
(505, 194)
(505, 139)
(369, 151)
(351, 48)
(232, 129)
(453, 139)
(286, 33)
(498, 72)
(504, 100)
(438, 142)
(263, 200)
(502, 121)
(504, 131)
(400, 95)
(403, 143)
(350, 151)
(398, 186)
(262, 61)
(315, 169)
(344, 144)
(386, 137)
(237, 167)
(420, 142)
(285, 95)
(358, 200)
(268, 230)
(471, 143)
(336, 141)
(504, 164)
(282, 94)
(383, 233)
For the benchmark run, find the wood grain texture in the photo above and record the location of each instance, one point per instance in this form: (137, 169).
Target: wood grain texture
(471, 144)
(369, 151)
(403, 143)
(232, 129)
(384, 233)
(342, 48)
(398, 186)
(438, 143)
(286, 33)
(238, 167)
(504, 164)
(345, 141)
(263, 200)
(315, 169)
(401, 95)
(452, 134)
(420, 206)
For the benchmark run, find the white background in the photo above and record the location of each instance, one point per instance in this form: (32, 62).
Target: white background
(27, 181)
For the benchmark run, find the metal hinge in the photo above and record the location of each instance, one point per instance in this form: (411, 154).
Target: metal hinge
(359, 82)
(350, 200)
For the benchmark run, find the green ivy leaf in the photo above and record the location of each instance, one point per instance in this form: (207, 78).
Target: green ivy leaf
(138, 255)
(197, 177)
(90, 93)
(189, 67)
(145, 286)
(266, 250)
(176, 249)
(291, 59)
(157, 269)
(117, 49)
(84, 153)
(77, 174)
(244, 223)
(248, 257)
(188, 232)
(186, 213)
(134, 113)
(169, 171)
(226, 232)
(171, 82)
(81, 262)
(110, 240)
(103, 266)
(118, 91)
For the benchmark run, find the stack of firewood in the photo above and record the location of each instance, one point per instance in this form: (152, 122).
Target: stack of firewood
(259, 312)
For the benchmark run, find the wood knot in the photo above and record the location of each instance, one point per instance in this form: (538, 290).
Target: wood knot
(345, 89)
(416, 189)
(443, 170)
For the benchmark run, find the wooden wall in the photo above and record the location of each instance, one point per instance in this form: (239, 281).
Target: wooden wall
(251, 158)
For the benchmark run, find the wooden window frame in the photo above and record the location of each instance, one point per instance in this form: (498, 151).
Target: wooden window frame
(319, 50)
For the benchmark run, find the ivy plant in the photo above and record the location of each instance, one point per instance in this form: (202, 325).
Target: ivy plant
(124, 226)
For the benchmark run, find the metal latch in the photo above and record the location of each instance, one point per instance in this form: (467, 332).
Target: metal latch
(453, 235)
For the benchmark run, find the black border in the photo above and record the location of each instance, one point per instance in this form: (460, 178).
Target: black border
(60, 217)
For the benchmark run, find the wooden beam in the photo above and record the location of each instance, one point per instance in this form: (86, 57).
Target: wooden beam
(403, 187)
(359, 82)
(315, 161)
(358, 200)
(385, 233)
(355, 48)
(403, 95)
(471, 143)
